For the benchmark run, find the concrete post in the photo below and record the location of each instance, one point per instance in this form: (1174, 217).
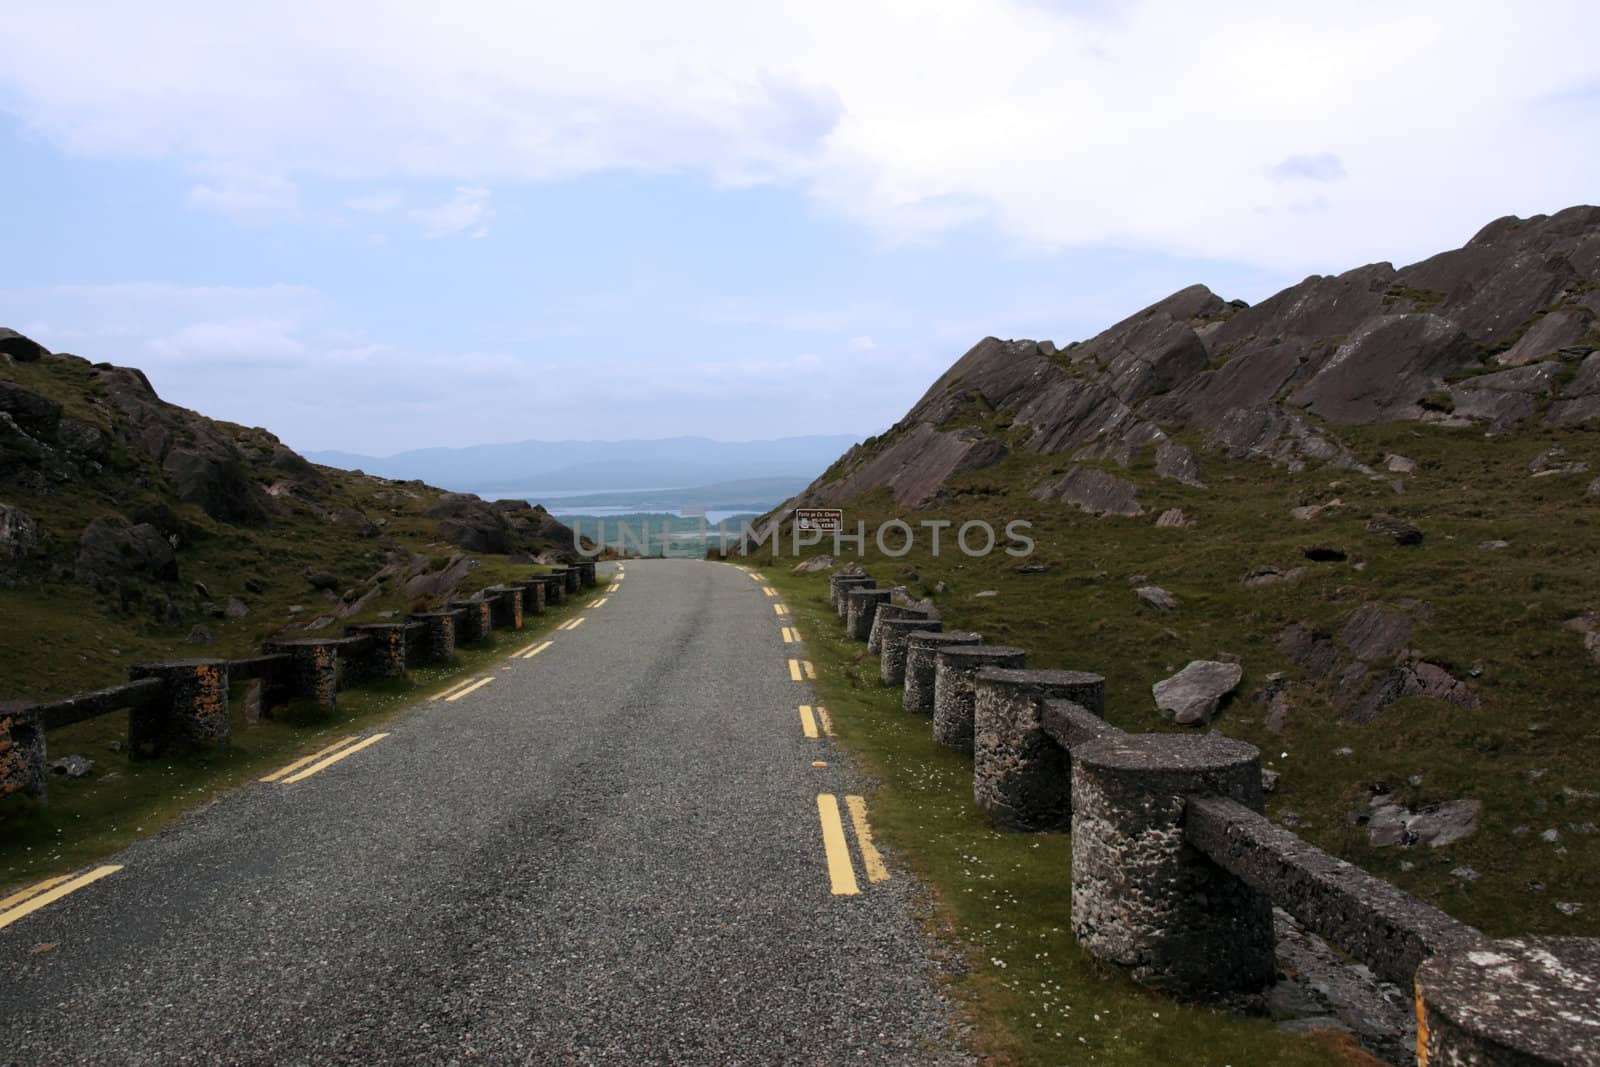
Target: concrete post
(861, 608)
(532, 595)
(839, 584)
(587, 575)
(570, 581)
(193, 709)
(1141, 896)
(921, 647)
(886, 611)
(894, 636)
(1021, 778)
(386, 657)
(439, 638)
(1514, 1003)
(505, 607)
(953, 695)
(477, 625)
(313, 672)
(22, 751)
(555, 588)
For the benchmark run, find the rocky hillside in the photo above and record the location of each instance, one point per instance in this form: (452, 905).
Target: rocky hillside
(1497, 334)
(1370, 502)
(130, 526)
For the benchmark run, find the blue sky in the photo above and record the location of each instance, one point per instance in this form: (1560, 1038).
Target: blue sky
(390, 226)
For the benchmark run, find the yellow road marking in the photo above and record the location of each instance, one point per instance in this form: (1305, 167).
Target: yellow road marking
(601, 602)
(446, 692)
(811, 672)
(60, 888)
(794, 670)
(840, 873)
(767, 589)
(335, 758)
(871, 858)
(303, 760)
(473, 688)
(577, 622)
(534, 650)
(32, 891)
(788, 636)
(807, 724)
(826, 719)
(780, 609)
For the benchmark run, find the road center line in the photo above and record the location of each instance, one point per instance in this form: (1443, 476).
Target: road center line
(841, 874)
(60, 888)
(442, 694)
(825, 719)
(780, 609)
(767, 589)
(303, 760)
(473, 688)
(534, 650)
(32, 891)
(871, 858)
(335, 758)
(808, 724)
(601, 602)
(794, 670)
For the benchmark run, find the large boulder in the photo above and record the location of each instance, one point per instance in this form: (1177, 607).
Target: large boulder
(1580, 400)
(1386, 369)
(15, 346)
(1093, 491)
(39, 415)
(110, 552)
(19, 534)
(1191, 697)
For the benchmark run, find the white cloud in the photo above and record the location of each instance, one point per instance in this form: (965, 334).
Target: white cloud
(252, 199)
(465, 212)
(379, 202)
(861, 344)
(1061, 122)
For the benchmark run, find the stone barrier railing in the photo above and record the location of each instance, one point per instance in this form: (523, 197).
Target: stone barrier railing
(183, 703)
(1175, 870)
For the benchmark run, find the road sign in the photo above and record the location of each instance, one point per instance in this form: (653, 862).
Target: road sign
(827, 520)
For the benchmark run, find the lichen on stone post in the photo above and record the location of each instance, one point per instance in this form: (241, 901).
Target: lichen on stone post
(386, 656)
(953, 696)
(438, 636)
(1141, 896)
(191, 711)
(476, 624)
(505, 606)
(1021, 778)
(23, 758)
(313, 671)
(532, 595)
(894, 637)
(555, 587)
(921, 648)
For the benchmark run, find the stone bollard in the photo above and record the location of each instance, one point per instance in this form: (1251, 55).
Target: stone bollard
(1141, 896)
(587, 575)
(840, 584)
(532, 595)
(555, 588)
(953, 695)
(312, 674)
(477, 625)
(438, 643)
(890, 610)
(23, 758)
(1524, 1001)
(921, 648)
(861, 607)
(894, 635)
(505, 607)
(570, 582)
(1021, 778)
(386, 656)
(193, 709)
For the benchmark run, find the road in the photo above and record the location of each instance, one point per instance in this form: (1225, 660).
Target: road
(613, 852)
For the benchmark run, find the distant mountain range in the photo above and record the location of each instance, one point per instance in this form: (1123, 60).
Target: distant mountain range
(543, 467)
(754, 495)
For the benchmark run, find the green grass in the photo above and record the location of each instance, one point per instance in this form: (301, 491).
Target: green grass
(90, 818)
(1003, 900)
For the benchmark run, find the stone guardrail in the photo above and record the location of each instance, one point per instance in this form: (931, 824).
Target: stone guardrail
(1176, 870)
(181, 703)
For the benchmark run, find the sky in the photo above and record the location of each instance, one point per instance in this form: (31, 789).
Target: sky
(382, 226)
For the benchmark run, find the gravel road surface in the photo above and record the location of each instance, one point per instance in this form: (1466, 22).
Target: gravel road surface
(611, 853)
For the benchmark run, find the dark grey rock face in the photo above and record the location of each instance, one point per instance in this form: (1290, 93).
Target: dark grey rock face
(1580, 400)
(895, 639)
(19, 535)
(1022, 778)
(922, 648)
(1094, 491)
(14, 345)
(954, 700)
(38, 415)
(1385, 369)
(110, 552)
(1142, 898)
(1192, 696)
(1525, 1001)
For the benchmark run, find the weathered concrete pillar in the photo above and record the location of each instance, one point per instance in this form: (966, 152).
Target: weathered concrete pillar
(555, 588)
(312, 674)
(438, 644)
(532, 595)
(193, 709)
(893, 638)
(1514, 1003)
(953, 695)
(386, 656)
(586, 574)
(505, 607)
(921, 648)
(570, 581)
(861, 608)
(839, 584)
(477, 624)
(1141, 896)
(1021, 778)
(890, 610)
(22, 751)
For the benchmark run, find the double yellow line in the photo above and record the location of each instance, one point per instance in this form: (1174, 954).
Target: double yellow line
(322, 759)
(799, 667)
(462, 688)
(790, 635)
(841, 871)
(767, 589)
(532, 650)
(21, 905)
(809, 721)
(572, 624)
